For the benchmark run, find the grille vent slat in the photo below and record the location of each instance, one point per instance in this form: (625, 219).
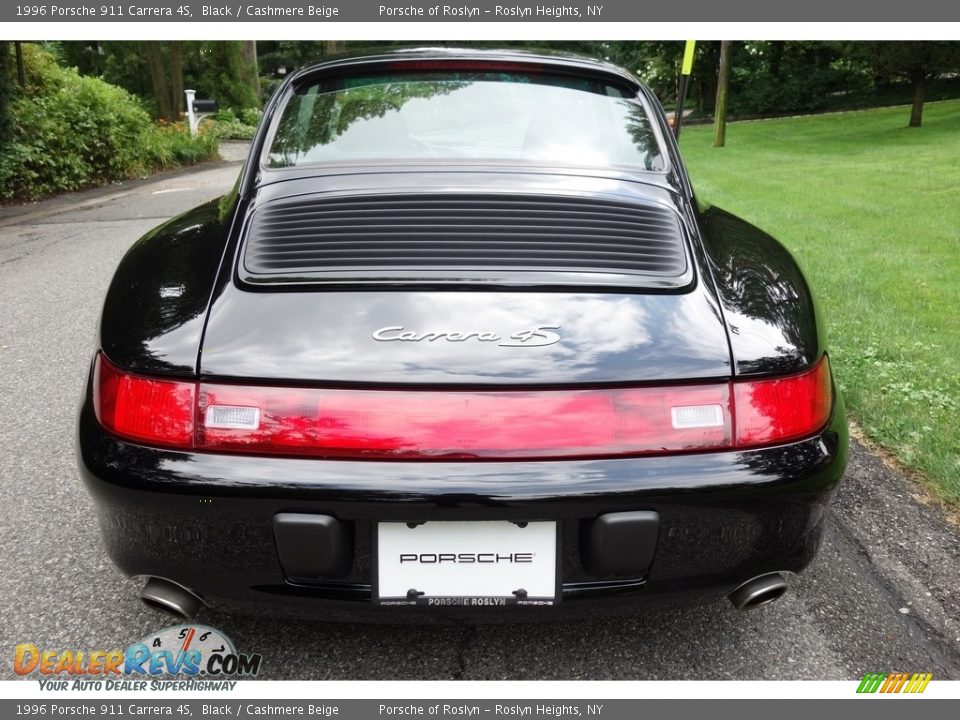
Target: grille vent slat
(317, 237)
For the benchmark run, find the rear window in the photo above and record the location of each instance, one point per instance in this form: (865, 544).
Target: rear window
(508, 116)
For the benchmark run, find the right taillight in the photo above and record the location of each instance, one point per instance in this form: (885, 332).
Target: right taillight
(777, 410)
(462, 425)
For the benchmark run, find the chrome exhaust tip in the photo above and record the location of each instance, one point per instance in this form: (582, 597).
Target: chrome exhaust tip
(173, 599)
(761, 590)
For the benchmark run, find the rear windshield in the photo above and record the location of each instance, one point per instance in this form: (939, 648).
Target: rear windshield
(509, 116)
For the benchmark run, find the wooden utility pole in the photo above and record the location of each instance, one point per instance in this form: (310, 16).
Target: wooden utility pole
(723, 81)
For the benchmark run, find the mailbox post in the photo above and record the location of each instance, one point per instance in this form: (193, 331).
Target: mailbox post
(198, 109)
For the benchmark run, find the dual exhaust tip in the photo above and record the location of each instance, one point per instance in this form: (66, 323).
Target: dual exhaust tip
(761, 590)
(167, 596)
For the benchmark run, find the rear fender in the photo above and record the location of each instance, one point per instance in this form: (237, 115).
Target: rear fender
(155, 308)
(768, 306)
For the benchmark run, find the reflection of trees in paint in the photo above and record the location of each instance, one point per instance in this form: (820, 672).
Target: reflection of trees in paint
(153, 312)
(551, 122)
(638, 127)
(764, 293)
(331, 115)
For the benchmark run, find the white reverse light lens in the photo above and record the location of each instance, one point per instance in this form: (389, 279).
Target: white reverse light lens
(232, 417)
(696, 416)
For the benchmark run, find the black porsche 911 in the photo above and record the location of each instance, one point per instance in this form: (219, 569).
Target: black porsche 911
(460, 341)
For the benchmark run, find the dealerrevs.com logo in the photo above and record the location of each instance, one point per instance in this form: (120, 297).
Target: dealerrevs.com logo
(179, 650)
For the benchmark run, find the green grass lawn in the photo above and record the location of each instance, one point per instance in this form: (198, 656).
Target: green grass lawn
(871, 209)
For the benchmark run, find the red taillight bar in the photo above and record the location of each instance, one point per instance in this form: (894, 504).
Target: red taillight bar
(461, 425)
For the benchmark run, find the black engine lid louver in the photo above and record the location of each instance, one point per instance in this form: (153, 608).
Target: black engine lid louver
(516, 239)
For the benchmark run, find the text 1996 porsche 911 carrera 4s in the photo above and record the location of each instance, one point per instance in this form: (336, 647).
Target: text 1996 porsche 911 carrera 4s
(461, 341)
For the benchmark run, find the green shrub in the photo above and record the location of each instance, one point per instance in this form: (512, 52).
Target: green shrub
(229, 129)
(71, 132)
(800, 92)
(231, 124)
(249, 116)
(166, 146)
(224, 114)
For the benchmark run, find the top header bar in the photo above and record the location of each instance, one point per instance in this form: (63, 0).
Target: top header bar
(477, 11)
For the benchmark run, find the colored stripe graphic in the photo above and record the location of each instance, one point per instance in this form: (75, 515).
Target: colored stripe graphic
(921, 684)
(894, 683)
(870, 683)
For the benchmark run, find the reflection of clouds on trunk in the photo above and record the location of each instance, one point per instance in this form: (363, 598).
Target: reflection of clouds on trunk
(605, 336)
(691, 325)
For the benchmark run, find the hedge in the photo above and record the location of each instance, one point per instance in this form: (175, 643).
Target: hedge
(71, 131)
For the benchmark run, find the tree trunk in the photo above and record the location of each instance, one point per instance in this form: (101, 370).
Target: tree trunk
(723, 81)
(776, 57)
(158, 76)
(250, 59)
(6, 93)
(332, 47)
(176, 79)
(919, 95)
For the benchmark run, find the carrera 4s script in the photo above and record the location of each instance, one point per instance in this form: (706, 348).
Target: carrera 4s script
(531, 337)
(461, 341)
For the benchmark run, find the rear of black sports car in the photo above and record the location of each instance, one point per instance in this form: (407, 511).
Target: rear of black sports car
(460, 342)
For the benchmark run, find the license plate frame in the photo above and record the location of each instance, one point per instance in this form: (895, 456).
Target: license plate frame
(545, 583)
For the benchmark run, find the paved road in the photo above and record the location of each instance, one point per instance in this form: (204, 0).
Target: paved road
(883, 595)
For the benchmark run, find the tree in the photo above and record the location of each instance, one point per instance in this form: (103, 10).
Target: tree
(704, 78)
(88, 57)
(225, 73)
(251, 67)
(6, 92)
(916, 62)
(165, 61)
(723, 83)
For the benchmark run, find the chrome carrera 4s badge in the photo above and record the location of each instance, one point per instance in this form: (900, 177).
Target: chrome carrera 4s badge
(536, 336)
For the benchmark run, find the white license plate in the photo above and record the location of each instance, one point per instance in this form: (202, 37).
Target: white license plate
(483, 563)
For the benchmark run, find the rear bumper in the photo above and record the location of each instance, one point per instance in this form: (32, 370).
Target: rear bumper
(206, 521)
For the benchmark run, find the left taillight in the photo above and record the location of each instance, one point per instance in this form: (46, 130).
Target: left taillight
(153, 411)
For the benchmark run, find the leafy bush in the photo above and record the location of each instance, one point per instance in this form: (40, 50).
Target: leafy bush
(171, 145)
(249, 116)
(800, 92)
(231, 124)
(797, 77)
(224, 114)
(71, 131)
(229, 130)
